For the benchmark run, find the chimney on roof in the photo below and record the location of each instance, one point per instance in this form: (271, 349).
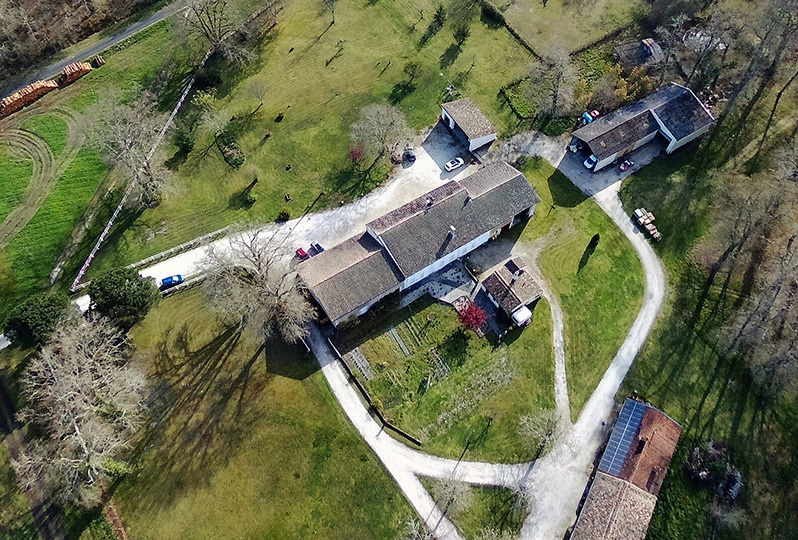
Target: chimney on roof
(451, 230)
(516, 274)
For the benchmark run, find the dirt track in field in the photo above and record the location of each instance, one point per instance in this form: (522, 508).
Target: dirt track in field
(47, 168)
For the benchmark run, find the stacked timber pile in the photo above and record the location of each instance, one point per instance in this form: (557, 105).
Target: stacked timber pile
(73, 72)
(645, 220)
(98, 61)
(26, 96)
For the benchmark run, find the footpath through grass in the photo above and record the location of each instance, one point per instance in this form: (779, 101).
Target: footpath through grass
(247, 442)
(319, 77)
(682, 371)
(600, 291)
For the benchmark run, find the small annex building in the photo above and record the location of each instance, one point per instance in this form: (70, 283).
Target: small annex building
(512, 289)
(646, 52)
(672, 111)
(624, 492)
(404, 246)
(464, 117)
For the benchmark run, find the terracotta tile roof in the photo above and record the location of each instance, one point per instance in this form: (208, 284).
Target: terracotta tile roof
(614, 510)
(651, 451)
(469, 118)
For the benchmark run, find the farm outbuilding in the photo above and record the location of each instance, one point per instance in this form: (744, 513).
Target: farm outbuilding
(463, 116)
(512, 289)
(417, 239)
(623, 495)
(673, 111)
(646, 52)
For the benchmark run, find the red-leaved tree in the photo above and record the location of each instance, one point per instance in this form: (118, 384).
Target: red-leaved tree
(473, 317)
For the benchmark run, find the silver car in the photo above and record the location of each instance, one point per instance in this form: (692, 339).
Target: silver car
(453, 164)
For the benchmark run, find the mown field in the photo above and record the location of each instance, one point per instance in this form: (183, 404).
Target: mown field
(600, 292)
(555, 23)
(320, 95)
(246, 441)
(15, 173)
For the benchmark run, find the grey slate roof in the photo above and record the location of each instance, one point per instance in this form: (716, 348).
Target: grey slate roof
(467, 115)
(682, 113)
(349, 275)
(509, 295)
(420, 233)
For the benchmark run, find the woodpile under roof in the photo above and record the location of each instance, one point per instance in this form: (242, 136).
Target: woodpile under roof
(26, 96)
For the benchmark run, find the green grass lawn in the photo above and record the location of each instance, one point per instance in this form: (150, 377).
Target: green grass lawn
(319, 103)
(247, 442)
(599, 301)
(487, 380)
(572, 24)
(26, 262)
(16, 519)
(682, 371)
(15, 174)
(50, 128)
(491, 508)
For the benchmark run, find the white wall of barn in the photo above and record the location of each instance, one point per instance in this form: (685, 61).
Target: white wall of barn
(447, 259)
(675, 145)
(447, 119)
(479, 142)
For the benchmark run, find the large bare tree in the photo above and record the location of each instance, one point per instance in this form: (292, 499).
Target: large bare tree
(380, 130)
(87, 398)
(127, 136)
(249, 284)
(451, 495)
(539, 431)
(551, 82)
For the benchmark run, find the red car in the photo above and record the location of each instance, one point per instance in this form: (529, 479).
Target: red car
(302, 254)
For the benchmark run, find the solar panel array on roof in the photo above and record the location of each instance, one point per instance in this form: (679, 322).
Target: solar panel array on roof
(623, 434)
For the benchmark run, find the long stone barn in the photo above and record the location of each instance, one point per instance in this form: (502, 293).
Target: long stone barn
(673, 111)
(401, 248)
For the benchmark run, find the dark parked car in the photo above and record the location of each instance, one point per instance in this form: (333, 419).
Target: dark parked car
(409, 154)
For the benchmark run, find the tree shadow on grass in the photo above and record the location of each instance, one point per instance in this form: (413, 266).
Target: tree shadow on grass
(348, 182)
(400, 91)
(563, 192)
(454, 349)
(449, 56)
(201, 409)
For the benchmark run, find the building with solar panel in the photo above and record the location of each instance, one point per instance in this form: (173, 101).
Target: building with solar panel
(623, 495)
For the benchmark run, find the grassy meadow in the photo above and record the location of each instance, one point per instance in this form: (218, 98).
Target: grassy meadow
(319, 77)
(601, 299)
(246, 441)
(15, 174)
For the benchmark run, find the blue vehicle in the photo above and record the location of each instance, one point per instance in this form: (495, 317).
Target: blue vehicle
(317, 247)
(171, 281)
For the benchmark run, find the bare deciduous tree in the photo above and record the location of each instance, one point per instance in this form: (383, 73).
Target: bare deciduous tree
(248, 284)
(126, 136)
(538, 431)
(451, 495)
(87, 397)
(417, 530)
(491, 533)
(380, 130)
(786, 161)
(551, 82)
(668, 38)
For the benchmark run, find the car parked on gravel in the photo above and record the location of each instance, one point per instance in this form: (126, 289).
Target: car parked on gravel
(453, 164)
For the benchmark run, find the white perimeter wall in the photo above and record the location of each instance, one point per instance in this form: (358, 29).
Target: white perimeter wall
(451, 257)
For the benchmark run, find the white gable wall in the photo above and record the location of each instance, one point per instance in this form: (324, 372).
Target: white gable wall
(479, 142)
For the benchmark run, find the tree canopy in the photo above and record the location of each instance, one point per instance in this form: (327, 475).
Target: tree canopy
(34, 320)
(123, 296)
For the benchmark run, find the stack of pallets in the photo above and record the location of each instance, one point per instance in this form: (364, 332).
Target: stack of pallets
(645, 221)
(25, 96)
(73, 72)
